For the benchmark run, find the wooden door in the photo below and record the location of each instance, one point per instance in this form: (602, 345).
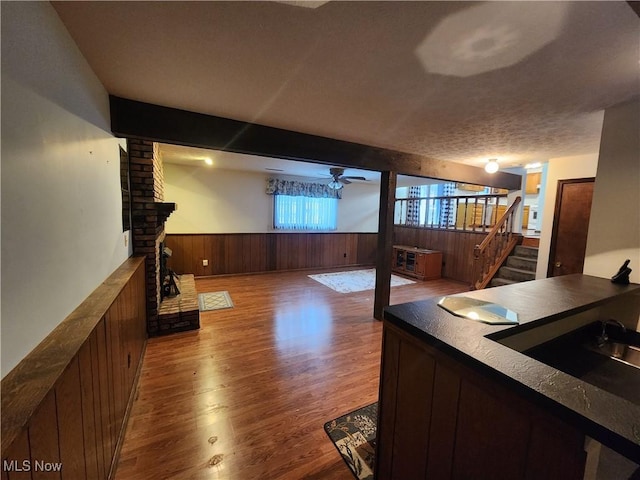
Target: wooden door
(570, 226)
(525, 217)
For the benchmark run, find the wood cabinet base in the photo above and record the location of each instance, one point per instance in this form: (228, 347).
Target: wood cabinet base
(437, 418)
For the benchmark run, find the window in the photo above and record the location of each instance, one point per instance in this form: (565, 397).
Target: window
(425, 205)
(305, 213)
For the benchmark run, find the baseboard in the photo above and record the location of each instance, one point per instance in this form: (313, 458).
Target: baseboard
(307, 269)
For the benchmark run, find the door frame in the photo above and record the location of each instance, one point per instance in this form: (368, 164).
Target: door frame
(556, 217)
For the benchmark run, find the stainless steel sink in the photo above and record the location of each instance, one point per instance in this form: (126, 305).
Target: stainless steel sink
(621, 352)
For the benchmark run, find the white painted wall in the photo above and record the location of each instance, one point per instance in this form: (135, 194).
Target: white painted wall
(61, 206)
(215, 201)
(614, 228)
(542, 193)
(226, 201)
(359, 208)
(562, 168)
(513, 194)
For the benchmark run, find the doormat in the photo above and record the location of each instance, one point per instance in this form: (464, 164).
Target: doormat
(214, 301)
(354, 435)
(355, 280)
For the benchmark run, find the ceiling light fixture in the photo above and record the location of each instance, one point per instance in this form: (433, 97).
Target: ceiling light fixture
(492, 166)
(208, 161)
(333, 184)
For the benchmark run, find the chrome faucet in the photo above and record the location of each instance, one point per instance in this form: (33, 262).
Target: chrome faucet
(603, 337)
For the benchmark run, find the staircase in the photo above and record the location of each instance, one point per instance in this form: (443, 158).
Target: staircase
(519, 267)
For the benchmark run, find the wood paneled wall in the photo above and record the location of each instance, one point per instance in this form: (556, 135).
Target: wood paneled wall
(231, 253)
(262, 252)
(67, 401)
(456, 247)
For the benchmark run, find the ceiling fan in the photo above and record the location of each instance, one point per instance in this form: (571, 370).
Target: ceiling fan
(339, 178)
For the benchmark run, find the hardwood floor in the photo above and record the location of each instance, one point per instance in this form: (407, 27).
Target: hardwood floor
(246, 396)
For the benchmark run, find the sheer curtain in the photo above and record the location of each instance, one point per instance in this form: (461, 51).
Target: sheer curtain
(305, 213)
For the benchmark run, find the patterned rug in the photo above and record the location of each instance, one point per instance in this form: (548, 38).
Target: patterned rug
(214, 301)
(354, 435)
(355, 280)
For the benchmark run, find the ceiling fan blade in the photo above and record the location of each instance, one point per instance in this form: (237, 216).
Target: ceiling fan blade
(356, 178)
(344, 180)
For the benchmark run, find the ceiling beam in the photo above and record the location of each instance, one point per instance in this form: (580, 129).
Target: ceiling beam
(131, 118)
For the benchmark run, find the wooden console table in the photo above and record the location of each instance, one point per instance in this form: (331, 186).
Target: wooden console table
(416, 262)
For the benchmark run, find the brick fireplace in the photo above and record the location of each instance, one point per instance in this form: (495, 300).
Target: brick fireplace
(148, 215)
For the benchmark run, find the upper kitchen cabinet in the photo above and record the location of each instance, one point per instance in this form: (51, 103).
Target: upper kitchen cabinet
(533, 183)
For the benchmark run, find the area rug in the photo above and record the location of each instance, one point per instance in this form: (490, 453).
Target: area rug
(214, 301)
(354, 435)
(355, 280)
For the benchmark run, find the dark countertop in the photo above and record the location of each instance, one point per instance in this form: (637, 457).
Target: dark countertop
(613, 421)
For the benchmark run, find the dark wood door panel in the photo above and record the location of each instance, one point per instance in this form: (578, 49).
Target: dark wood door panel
(482, 416)
(413, 412)
(388, 400)
(570, 226)
(446, 392)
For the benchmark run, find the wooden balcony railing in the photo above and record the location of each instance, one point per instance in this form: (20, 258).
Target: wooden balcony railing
(495, 248)
(469, 212)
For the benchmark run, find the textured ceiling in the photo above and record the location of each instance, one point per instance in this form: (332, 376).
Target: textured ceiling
(458, 81)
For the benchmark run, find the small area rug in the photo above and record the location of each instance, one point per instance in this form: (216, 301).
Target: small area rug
(354, 435)
(214, 301)
(355, 280)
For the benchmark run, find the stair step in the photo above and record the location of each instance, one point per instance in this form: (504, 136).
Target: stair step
(522, 263)
(516, 274)
(499, 282)
(529, 252)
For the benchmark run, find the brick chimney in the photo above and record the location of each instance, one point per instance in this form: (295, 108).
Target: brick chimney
(148, 215)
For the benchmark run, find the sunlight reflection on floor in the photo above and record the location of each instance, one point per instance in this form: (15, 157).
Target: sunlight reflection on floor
(303, 326)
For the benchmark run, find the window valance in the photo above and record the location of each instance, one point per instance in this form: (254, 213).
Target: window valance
(276, 186)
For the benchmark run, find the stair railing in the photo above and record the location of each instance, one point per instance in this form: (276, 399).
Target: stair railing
(459, 212)
(495, 248)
